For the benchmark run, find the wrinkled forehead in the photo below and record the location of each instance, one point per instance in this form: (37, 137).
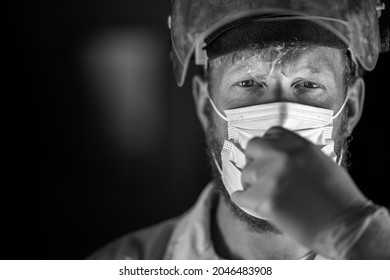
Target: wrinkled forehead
(289, 57)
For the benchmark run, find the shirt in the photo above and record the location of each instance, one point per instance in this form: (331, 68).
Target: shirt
(187, 237)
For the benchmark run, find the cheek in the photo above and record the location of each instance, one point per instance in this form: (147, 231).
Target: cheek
(341, 122)
(218, 125)
(220, 128)
(217, 128)
(340, 128)
(337, 124)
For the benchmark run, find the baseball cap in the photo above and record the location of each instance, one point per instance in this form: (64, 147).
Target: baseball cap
(354, 22)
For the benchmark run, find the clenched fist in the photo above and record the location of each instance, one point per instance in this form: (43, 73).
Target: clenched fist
(291, 181)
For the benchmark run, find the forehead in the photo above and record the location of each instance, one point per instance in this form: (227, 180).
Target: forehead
(253, 60)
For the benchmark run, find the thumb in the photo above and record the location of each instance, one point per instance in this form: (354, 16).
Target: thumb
(252, 198)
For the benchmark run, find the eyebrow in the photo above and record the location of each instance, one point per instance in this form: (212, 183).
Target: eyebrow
(303, 64)
(313, 71)
(303, 71)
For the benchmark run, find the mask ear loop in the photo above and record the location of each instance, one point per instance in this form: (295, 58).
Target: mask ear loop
(197, 81)
(216, 163)
(216, 109)
(340, 158)
(341, 108)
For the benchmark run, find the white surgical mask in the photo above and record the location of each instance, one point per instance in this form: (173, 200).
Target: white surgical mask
(313, 123)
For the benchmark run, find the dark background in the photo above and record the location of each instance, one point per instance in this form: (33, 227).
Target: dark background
(70, 185)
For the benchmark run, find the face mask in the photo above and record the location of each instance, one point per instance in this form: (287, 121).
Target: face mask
(314, 124)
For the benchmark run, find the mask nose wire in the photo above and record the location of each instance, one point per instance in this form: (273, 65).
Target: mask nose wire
(341, 108)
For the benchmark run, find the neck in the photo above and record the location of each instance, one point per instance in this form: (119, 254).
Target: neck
(233, 240)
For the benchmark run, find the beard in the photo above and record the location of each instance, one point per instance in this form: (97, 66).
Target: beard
(214, 148)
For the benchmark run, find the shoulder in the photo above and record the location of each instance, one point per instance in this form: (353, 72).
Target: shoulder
(147, 243)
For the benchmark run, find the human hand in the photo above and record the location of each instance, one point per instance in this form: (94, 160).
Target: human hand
(299, 188)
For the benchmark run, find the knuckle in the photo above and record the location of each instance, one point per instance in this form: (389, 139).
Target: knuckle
(249, 176)
(254, 142)
(255, 147)
(284, 159)
(277, 130)
(301, 148)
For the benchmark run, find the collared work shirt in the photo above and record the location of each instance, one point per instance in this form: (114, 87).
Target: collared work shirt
(187, 237)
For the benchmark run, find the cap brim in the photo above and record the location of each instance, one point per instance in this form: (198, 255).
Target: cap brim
(250, 33)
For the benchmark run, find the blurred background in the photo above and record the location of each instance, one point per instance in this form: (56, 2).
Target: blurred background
(105, 142)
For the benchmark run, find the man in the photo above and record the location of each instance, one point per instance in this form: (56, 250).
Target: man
(279, 93)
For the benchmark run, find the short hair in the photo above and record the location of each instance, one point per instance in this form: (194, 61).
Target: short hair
(352, 70)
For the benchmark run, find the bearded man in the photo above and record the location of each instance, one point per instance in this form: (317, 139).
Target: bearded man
(278, 94)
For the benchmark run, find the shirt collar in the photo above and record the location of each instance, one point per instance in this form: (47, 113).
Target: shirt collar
(191, 238)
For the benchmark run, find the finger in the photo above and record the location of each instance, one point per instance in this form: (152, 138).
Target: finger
(263, 172)
(257, 148)
(258, 192)
(259, 145)
(279, 133)
(253, 199)
(276, 132)
(253, 172)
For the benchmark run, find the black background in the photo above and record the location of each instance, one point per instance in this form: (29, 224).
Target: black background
(61, 200)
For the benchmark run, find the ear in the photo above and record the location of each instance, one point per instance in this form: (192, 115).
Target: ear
(355, 103)
(200, 93)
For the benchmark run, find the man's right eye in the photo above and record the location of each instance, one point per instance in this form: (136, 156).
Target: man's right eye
(246, 83)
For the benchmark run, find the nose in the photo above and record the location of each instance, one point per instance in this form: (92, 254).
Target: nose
(278, 90)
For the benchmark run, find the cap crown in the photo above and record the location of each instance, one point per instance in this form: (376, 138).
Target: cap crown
(353, 21)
